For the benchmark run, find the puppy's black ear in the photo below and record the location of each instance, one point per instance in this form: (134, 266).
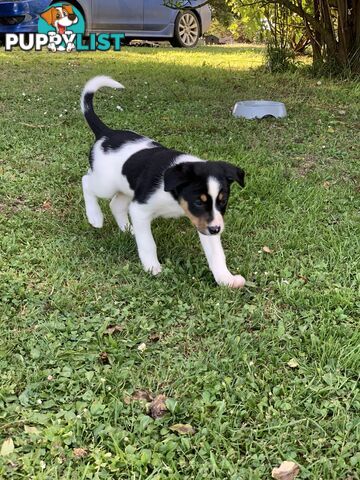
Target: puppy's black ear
(234, 174)
(176, 176)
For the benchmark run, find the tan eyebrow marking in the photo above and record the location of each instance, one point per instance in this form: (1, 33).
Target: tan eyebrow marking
(221, 196)
(203, 197)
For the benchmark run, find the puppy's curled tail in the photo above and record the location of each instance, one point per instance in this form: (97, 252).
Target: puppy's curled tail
(87, 106)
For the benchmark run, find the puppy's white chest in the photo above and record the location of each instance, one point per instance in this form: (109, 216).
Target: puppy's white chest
(163, 205)
(171, 211)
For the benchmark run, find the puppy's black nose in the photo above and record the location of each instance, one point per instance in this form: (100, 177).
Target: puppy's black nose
(214, 230)
(72, 16)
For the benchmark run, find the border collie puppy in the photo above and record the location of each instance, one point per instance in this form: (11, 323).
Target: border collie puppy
(147, 180)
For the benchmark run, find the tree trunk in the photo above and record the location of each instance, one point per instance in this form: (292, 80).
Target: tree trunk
(334, 30)
(354, 41)
(332, 50)
(315, 38)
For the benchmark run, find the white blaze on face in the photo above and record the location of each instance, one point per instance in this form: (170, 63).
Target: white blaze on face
(64, 21)
(214, 188)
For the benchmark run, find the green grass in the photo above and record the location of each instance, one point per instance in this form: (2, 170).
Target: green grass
(221, 356)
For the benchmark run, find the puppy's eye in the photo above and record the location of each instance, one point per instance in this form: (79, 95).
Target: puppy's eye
(222, 201)
(198, 202)
(65, 14)
(58, 16)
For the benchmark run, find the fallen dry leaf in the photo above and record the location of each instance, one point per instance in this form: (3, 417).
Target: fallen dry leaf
(142, 347)
(342, 112)
(157, 407)
(46, 205)
(142, 395)
(326, 184)
(155, 337)
(111, 329)
(31, 430)
(286, 471)
(183, 429)
(293, 363)
(139, 395)
(304, 279)
(267, 249)
(80, 452)
(7, 447)
(104, 358)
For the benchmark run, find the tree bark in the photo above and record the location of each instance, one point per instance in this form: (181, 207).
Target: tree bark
(355, 36)
(341, 47)
(315, 38)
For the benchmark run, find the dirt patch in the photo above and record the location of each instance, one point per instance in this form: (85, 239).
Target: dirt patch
(14, 205)
(306, 165)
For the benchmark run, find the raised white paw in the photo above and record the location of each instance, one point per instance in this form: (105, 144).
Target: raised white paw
(96, 218)
(153, 269)
(233, 281)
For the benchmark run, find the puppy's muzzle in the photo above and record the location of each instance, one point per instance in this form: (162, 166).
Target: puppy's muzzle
(214, 230)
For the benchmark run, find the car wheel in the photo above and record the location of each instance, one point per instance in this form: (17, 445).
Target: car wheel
(187, 30)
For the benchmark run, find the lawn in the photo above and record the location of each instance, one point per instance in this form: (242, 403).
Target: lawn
(266, 374)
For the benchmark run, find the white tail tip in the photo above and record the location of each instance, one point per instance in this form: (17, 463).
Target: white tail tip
(95, 84)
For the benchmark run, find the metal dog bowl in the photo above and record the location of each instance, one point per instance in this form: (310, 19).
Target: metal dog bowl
(259, 109)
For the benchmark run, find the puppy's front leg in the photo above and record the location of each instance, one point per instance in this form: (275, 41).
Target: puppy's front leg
(141, 223)
(216, 259)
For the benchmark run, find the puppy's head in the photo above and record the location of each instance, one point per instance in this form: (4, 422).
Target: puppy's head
(202, 189)
(60, 16)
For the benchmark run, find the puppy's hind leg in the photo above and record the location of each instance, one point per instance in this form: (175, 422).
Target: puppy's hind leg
(119, 206)
(93, 211)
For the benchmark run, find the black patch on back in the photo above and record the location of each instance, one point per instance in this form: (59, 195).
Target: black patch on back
(115, 139)
(118, 138)
(144, 170)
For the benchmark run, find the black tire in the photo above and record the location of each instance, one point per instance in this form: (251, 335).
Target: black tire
(187, 30)
(125, 42)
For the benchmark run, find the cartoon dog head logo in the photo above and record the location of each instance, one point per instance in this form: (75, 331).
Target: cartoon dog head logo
(61, 21)
(60, 18)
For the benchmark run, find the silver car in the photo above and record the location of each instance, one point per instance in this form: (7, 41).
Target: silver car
(138, 19)
(146, 19)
